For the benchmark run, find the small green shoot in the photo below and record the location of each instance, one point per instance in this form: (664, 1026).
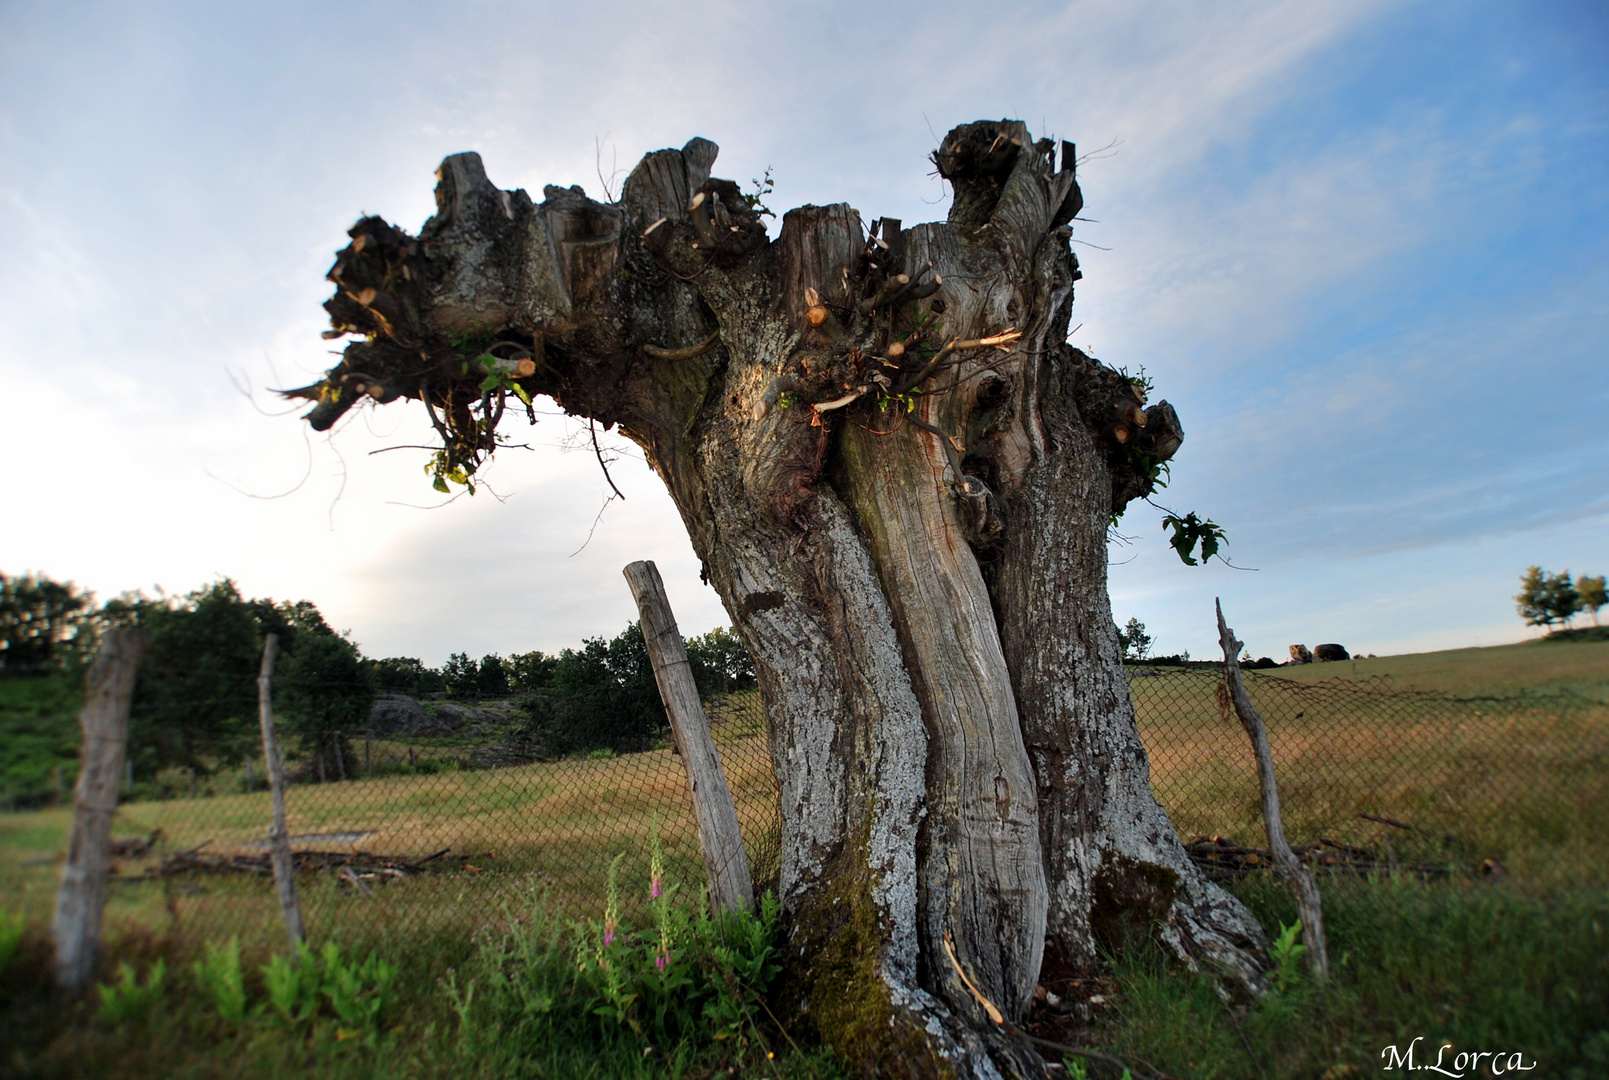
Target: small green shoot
(128, 1000)
(1287, 955)
(11, 929)
(219, 976)
(360, 993)
(293, 986)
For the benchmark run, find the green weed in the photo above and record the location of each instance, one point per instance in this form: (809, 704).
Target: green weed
(221, 981)
(360, 993)
(688, 984)
(293, 986)
(130, 1000)
(12, 927)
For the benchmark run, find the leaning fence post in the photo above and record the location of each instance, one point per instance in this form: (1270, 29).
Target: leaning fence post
(108, 689)
(279, 845)
(718, 835)
(1309, 905)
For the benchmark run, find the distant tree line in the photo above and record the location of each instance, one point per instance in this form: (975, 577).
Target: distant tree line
(602, 695)
(1545, 599)
(195, 703)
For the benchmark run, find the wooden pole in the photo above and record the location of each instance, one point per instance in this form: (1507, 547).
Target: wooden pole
(108, 689)
(1309, 905)
(719, 837)
(279, 845)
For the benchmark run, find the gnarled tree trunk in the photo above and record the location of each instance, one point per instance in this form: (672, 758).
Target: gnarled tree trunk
(899, 478)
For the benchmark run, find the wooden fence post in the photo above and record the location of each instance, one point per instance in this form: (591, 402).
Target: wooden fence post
(719, 837)
(108, 689)
(1309, 905)
(279, 845)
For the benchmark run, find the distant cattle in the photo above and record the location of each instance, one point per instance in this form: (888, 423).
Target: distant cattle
(1325, 653)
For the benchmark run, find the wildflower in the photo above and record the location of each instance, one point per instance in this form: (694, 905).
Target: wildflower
(611, 910)
(656, 870)
(662, 960)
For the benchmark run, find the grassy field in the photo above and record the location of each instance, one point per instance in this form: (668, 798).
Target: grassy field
(1496, 754)
(1521, 778)
(560, 823)
(1531, 667)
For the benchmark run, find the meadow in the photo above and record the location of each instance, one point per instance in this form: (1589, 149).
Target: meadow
(1494, 758)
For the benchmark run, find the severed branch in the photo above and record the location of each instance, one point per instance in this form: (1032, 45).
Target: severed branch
(1309, 905)
(995, 341)
(838, 403)
(659, 353)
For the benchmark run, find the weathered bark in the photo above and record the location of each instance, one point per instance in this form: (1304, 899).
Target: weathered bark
(720, 839)
(279, 845)
(898, 478)
(81, 898)
(1304, 890)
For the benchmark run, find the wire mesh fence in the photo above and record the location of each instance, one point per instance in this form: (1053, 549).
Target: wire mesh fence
(422, 827)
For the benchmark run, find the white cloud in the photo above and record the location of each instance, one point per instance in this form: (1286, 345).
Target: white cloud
(178, 179)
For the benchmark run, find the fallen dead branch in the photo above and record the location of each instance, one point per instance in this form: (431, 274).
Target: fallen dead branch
(357, 867)
(1222, 859)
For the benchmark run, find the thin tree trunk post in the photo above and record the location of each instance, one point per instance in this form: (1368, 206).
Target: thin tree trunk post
(719, 837)
(279, 845)
(108, 689)
(1309, 905)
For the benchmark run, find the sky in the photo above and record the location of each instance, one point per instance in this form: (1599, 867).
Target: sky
(1362, 247)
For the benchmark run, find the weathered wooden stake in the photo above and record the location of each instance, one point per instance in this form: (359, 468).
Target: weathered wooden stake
(279, 845)
(720, 839)
(1309, 905)
(108, 689)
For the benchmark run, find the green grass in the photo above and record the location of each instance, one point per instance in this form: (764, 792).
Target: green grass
(1473, 965)
(421, 1035)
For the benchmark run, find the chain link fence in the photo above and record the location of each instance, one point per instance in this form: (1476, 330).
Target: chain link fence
(423, 825)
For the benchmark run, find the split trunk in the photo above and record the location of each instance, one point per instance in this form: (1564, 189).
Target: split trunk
(899, 478)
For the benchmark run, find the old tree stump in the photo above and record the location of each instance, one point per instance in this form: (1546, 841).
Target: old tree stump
(898, 476)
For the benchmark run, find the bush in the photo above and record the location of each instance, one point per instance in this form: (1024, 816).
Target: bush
(602, 696)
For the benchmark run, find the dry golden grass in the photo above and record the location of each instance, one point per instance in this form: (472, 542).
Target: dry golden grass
(1581, 667)
(556, 824)
(1523, 779)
